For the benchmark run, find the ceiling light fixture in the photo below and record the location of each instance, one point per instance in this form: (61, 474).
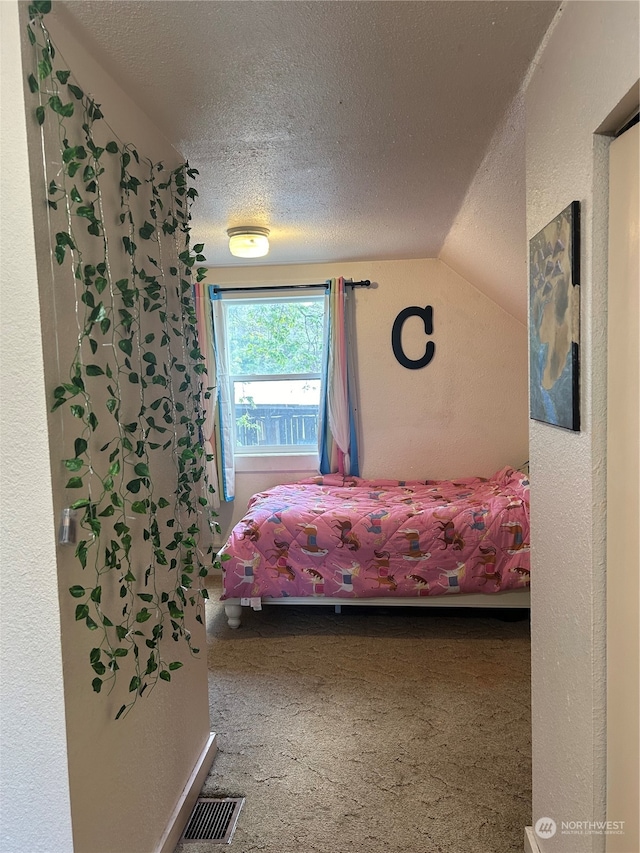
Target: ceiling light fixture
(248, 242)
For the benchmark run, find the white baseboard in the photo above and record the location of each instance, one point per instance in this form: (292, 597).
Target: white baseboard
(187, 801)
(530, 843)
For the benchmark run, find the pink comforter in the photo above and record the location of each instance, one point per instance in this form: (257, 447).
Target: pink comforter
(348, 537)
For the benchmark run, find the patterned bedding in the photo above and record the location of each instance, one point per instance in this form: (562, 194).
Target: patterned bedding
(348, 537)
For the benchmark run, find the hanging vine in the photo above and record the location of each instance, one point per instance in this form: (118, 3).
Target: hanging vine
(134, 388)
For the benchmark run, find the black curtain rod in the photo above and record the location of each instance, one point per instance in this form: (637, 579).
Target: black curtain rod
(324, 285)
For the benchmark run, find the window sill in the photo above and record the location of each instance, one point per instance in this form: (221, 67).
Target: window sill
(277, 462)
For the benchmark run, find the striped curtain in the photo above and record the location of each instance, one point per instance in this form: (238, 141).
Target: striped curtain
(210, 395)
(338, 442)
(224, 415)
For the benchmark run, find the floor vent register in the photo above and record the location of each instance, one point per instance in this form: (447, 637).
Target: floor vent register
(213, 820)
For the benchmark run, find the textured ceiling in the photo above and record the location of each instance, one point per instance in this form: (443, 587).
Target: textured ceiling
(352, 130)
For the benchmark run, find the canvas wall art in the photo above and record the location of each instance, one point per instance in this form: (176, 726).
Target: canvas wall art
(554, 321)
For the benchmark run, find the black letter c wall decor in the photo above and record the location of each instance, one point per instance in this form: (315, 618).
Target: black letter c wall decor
(396, 336)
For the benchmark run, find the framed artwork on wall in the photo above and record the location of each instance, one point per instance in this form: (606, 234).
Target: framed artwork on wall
(554, 321)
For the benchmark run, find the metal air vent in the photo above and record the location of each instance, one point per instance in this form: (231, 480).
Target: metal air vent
(213, 820)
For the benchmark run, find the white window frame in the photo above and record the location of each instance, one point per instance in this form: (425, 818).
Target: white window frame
(277, 457)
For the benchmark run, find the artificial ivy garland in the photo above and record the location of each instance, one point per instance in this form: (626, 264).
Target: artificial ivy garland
(135, 331)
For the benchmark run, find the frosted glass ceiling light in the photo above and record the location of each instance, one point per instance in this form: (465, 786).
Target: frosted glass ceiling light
(248, 242)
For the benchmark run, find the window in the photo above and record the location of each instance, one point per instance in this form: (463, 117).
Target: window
(275, 351)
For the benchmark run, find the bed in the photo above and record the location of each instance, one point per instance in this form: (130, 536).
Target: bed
(341, 540)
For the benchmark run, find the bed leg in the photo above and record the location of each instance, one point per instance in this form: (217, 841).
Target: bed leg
(233, 612)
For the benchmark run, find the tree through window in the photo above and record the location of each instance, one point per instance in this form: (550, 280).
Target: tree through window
(275, 349)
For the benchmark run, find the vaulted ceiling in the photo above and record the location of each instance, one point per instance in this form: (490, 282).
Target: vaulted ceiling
(352, 130)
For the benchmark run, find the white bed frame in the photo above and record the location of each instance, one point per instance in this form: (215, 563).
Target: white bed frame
(509, 599)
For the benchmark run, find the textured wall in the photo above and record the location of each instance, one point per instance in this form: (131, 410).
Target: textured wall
(589, 64)
(623, 491)
(464, 413)
(487, 241)
(31, 699)
(125, 777)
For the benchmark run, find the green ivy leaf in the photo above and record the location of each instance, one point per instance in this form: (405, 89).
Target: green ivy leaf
(87, 298)
(175, 665)
(65, 110)
(33, 83)
(112, 147)
(76, 92)
(64, 239)
(147, 230)
(97, 685)
(73, 464)
(40, 117)
(79, 504)
(86, 210)
(79, 446)
(134, 684)
(94, 111)
(77, 591)
(96, 594)
(165, 675)
(74, 483)
(63, 76)
(94, 370)
(143, 615)
(126, 346)
(82, 611)
(139, 506)
(44, 68)
(145, 596)
(141, 469)
(174, 610)
(91, 625)
(129, 246)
